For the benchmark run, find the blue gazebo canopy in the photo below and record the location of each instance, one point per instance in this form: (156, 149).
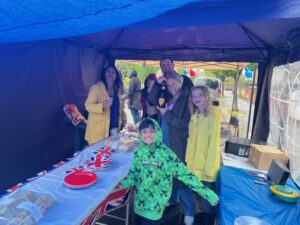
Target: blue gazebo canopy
(51, 52)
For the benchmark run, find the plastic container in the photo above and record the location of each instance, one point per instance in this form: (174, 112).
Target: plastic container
(123, 142)
(24, 208)
(249, 220)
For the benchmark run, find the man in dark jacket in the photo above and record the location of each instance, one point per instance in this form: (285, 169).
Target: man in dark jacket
(174, 124)
(134, 96)
(167, 67)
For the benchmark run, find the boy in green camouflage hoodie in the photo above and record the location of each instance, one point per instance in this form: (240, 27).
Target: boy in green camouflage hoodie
(153, 168)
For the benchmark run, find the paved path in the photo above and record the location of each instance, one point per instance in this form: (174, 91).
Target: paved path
(242, 115)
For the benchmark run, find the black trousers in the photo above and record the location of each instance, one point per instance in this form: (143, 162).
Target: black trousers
(139, 220)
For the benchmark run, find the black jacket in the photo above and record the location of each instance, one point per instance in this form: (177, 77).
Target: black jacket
(178, 123)
(155, 91)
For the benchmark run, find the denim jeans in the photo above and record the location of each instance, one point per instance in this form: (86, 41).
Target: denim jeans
(184, 196)
(135, 114)
(204, 205)
(165, 130)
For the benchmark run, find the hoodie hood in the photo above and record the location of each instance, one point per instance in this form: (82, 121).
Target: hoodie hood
(158, 135)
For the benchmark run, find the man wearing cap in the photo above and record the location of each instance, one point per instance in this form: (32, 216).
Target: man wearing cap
(174, 124)
(134, 96)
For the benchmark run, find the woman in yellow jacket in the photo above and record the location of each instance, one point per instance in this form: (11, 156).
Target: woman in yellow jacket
(203, 148)
(105, 106)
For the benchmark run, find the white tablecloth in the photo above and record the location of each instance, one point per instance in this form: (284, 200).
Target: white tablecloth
(72, 206)
(236, 161)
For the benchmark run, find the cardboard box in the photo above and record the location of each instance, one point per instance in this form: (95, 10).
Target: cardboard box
(238, 146)
(261, 156)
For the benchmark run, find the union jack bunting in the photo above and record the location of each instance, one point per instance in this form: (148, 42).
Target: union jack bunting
(32, 178)
(59, 164)
(42, 173)
(15, 187)
(70, 158)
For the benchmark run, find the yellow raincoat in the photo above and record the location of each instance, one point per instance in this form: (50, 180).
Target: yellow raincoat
(98, 121)
(203, 148)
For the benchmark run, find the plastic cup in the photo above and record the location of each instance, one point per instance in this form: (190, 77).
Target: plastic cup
(114, 132)
(111, 100)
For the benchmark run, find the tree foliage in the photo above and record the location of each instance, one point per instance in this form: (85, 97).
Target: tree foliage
(142, 71)
(224, 75)
(221, 74)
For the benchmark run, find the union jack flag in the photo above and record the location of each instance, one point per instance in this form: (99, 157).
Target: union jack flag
(116, 198)
(73, 170)
(103, 151)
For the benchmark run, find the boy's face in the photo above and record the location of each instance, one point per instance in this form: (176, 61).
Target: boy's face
(148, 135)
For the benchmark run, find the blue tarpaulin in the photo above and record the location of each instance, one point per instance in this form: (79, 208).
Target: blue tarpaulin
(42, 20)
(219, 30)
(240, 196)
(52, 52)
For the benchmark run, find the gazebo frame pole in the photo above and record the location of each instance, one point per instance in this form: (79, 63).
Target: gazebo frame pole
(251, 101)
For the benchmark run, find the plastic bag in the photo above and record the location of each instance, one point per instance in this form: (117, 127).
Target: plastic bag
(24, 208)
(123, 142)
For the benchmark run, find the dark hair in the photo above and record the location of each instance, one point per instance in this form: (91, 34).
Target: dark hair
(151, 76)
(118, 81)
(146, 123)
(166, 58)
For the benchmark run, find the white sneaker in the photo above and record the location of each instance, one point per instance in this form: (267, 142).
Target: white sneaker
(188, 220)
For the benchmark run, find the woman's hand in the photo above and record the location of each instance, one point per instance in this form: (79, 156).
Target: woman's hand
(123, 123)
(161, 79)
(107, 104)
(162, 110)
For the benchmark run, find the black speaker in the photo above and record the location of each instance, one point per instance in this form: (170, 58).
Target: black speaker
(238, 146)
(278, 173)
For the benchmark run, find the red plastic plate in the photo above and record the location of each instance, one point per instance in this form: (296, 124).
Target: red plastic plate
(80, 179)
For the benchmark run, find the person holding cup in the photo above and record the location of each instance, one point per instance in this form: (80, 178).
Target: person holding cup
(105, 106)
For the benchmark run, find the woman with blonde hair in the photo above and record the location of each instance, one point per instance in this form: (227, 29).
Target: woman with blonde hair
(203, 148)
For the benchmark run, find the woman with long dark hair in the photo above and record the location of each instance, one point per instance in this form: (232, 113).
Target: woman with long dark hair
(148, 110)
(105, 106)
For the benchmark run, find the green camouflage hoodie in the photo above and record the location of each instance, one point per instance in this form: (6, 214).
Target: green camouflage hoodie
(152, 172)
